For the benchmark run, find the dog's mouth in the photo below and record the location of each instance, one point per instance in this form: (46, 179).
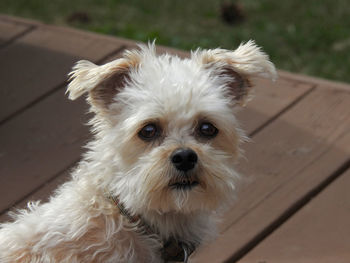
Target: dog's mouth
(185, 183)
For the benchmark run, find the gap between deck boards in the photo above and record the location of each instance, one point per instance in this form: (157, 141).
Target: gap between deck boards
(279, 221)
(19, 35)
(55, 89)
(33, 103)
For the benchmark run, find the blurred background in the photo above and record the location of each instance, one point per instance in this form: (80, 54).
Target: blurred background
(304, 36)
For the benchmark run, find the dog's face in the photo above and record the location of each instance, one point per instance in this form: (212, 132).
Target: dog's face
(167, 125)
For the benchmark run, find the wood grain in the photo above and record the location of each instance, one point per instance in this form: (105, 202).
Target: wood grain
(9, 31)
(40, 61)
(320, 232)
(40, 144)
(41, 193)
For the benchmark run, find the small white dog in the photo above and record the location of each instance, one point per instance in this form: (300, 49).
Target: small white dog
(161, 164)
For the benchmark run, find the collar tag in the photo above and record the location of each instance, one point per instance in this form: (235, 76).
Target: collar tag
(176, 251)
(187, 252)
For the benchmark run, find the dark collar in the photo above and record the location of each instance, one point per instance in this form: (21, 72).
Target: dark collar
(172, 249)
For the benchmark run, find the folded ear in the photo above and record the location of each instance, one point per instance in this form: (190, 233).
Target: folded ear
(237, 66)
(101, 83)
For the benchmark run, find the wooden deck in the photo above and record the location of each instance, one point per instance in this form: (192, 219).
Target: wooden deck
(295, 205)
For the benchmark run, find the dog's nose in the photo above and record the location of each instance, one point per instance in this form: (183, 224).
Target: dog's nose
(184, 159)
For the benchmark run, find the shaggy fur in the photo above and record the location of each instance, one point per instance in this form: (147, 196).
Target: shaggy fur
(79, 224)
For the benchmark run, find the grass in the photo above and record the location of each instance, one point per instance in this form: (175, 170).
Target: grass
(310, 37)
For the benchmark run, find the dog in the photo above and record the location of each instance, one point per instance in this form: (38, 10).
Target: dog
(160, 169)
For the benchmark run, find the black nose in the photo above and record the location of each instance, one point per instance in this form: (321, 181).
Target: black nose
(184, 159)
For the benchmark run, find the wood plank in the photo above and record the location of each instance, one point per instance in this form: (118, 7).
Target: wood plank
(322, 83)
(320, 232)
(42, 193)
(288, 159)
(39, 62)
(270, 99)
(39, 144)
(9, 31)
(19, 20)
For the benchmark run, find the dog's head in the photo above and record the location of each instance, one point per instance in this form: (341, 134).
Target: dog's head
(165, 127)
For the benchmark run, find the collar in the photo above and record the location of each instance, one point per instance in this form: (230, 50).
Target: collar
(171, 249)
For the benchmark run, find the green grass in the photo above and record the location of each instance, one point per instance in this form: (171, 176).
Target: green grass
(310, 37)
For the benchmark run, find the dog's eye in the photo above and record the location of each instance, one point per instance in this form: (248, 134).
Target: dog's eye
(148, 132)
(206, 129)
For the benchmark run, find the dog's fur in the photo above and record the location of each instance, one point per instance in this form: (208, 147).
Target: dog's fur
(79, 223)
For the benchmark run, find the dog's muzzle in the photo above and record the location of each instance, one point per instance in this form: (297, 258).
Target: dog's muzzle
(184, 159)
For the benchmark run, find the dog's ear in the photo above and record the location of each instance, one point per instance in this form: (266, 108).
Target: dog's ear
(237, 66)
(101, 83)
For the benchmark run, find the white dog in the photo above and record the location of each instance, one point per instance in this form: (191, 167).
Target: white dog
(159, 168)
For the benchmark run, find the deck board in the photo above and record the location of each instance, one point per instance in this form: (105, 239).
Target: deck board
(41, 193)
(305, 239)
(9, 31)
(269, 100)
(35, 146)
(44, 144)
(39, 62)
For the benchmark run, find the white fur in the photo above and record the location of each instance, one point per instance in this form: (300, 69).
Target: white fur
(79, 224)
